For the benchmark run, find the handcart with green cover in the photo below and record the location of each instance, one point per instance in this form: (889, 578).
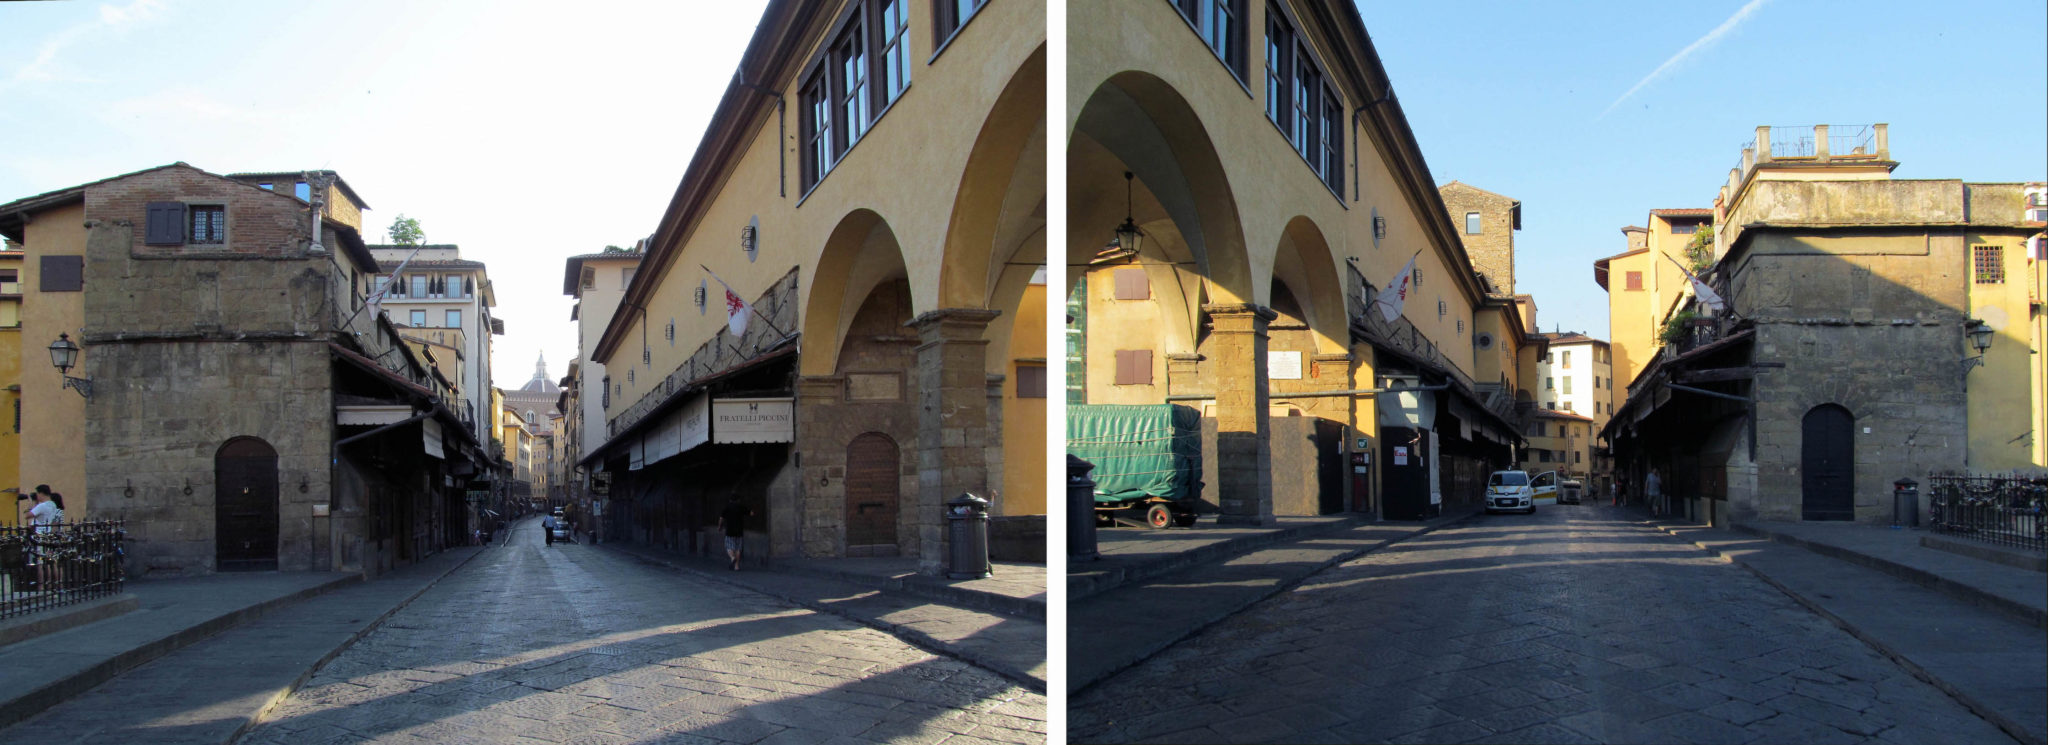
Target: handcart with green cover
(1148, 459)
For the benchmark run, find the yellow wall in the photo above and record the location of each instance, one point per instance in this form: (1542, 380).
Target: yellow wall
(1024, 488)
(2001, 393)
(1631, 326)
(52, 417)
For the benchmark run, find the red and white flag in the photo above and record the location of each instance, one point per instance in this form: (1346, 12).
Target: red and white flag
(1706, 294)
(736, 310)
(1396, 294)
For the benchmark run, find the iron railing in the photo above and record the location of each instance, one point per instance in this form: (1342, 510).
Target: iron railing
(2005, 510)
(57, 565)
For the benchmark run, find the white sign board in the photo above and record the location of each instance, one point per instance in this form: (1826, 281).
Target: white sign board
(693, 423)
(432, 431)
(1400, 456)
(1283, 365)
(742, 420)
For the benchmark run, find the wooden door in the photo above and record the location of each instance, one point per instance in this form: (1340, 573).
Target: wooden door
(245, 506)
(1827, 452)
(873, 486)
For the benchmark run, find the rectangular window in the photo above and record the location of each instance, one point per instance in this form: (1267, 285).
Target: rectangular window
(1635, 281)
(1578, 456)
(165, 224)
(454, 319)
(1472, 224)
(1308, 83)
(419, 285)
(1990, 264)
(1279, 51)
(1567, 385)
(10, 313)
(10, 282)
(1134, 367)
(1567, 359)
(626, 276)
(950, 15)
(1551, 405)
(419, 319)
(1131, 284)
(1333, 142)
(209, 224)
(850, 58)
(1220, 23)
(893, 76)
(1684, 228)
(1549, 383)
(1030, 381)
(1596, 386)
(817, 129)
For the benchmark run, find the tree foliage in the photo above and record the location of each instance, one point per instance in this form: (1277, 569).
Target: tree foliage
(1700, 251)
(405, 231)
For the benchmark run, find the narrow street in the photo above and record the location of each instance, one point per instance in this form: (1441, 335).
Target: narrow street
(573, 643)
(1576, 624)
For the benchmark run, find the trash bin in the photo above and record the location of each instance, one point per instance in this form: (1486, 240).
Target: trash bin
(1080, 511)
(967, 526)
(1905, 504)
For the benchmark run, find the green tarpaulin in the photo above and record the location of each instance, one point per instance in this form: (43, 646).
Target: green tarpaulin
(1138, 451)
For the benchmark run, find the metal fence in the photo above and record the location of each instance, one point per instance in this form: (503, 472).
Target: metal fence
(58, 565)
(2006, 510)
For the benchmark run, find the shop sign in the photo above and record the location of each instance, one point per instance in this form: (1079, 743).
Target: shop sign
(744, 420)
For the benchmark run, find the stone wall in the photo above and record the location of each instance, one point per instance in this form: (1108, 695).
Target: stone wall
(1493, 248)
(875, 390)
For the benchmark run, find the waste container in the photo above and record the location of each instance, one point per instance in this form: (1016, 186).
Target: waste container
(967, 526)
(1080, 511)
(1905, 504)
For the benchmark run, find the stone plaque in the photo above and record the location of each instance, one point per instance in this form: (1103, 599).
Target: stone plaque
(1283, 365)
(874, 386)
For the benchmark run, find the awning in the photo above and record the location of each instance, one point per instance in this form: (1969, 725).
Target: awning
(361, 416)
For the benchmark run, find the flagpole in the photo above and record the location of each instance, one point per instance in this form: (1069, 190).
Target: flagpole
(779, 333)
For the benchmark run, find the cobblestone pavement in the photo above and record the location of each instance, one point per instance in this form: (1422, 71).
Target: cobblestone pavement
(1576, 624)
(566, 644)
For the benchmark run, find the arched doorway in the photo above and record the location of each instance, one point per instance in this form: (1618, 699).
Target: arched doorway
(245, 506)
(873, 491)
(1827, 464)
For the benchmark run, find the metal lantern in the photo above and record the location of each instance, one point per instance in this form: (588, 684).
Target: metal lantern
(1128, 236)
(64, 353)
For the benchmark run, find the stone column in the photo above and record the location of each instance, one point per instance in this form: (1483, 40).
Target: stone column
(821, 484)
(1244, 468)
(953, 428)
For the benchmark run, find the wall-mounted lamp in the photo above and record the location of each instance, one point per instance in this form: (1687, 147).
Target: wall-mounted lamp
(703, 290)
(1980, 334)
(750, 237)
(64, 355)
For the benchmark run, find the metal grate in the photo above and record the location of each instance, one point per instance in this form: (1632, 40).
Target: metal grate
(57, 565)
(2005, 510)
(1989, 264)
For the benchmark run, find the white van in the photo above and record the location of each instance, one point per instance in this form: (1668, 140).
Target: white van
(1510, 490)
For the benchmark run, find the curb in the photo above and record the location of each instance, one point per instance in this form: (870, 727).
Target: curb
(101, 608)
(1075, 685)
(929, 589)
(2011, 728)
(2032, 616)
(914, 637)
(14, 711)
(1079, 588)
(286, 692)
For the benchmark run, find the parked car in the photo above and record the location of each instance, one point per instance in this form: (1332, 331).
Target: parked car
(1510, 490)
(1570, 492)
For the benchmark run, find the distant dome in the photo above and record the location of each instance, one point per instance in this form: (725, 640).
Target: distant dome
(540, 382)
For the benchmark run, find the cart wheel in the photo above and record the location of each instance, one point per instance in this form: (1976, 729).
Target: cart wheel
(1105, 520)
(1184, 519)
(1158, 516)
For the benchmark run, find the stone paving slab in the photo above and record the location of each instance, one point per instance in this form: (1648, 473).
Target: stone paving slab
(1129, 554)
(1110, 631)
(1014, 647)
(1013, 588)
(1900, 553)
(212, 690)
(1990, 661)
(171, 614)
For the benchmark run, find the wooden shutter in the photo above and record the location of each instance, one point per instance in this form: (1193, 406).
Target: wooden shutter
(1134, 367)
(1635, 281)
(165, 225)
(63, 273)
(1131, 284)
(1030, 381)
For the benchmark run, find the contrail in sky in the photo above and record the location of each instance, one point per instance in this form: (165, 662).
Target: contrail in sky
(1697, 45)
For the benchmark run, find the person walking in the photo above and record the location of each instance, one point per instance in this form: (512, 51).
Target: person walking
(1653, 488)
(733, 519)
(547, 529)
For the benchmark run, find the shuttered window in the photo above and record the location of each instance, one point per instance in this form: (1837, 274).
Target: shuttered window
(165, 225)
(1030, 381)
(1134, 367)
(1635, 281)
(63, 273)
(1131, 284)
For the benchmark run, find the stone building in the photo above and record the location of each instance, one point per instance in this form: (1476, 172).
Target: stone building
(237, 402)
(1842, 360)
(1273, 191)
(1486, 224)
(436, 294)
(1560, 441)
(892, 336)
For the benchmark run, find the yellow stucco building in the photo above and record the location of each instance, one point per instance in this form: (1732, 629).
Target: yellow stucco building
(1277, 192)
(10, 383)
(872, 186)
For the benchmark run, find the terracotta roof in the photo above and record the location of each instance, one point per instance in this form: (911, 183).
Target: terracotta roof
(572, 275)
(447, 263)
(1634, 229)
(1569, 337)
(1684, 212)
(1562, 414)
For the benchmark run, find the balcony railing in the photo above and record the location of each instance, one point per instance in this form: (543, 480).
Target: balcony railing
(2005, 510)
(58, 565)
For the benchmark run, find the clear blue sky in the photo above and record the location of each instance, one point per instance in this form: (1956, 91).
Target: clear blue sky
(1509, 97)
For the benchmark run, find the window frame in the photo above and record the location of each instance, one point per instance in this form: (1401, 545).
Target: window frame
(1987, 264)
(192, 212)
(453, 318)
(418, 317)
(947, 23)
(1200, 16)
(1306, 123)
(1632, 282)
(1475, 224)
(826, 134)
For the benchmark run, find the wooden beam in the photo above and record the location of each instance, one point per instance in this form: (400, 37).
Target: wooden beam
(1717, 374)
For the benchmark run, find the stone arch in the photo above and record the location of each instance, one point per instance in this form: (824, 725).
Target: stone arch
(860, 254)
(1136, 122)
(1308, 267)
